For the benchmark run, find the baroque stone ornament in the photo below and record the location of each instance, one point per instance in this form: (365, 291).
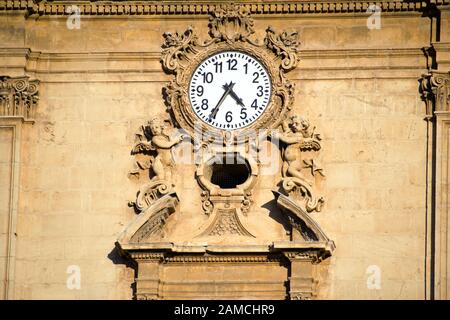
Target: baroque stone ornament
(224, 206)
(227, 230)
(156, 143)
(230, 29)
(156, 200)
(226, 222)
(298, 138)
(18, 97)
(231, 23)
(149, 194)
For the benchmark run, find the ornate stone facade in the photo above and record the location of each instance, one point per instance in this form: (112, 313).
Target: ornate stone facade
(347, 176)
(228, 230)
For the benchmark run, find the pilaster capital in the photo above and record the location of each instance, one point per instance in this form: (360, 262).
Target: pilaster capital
(435, 92)
(18, 97)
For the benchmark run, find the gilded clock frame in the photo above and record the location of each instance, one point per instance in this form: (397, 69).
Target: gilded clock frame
(230, 29)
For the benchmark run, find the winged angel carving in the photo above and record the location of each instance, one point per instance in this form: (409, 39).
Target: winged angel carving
(298, 137)
(156, 143)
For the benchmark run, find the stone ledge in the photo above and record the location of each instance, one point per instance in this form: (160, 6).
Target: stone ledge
(183, 8)
(142, 66)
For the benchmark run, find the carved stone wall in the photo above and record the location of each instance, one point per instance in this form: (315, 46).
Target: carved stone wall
(100, 84)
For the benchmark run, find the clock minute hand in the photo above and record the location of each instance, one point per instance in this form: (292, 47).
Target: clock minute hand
(227, 89)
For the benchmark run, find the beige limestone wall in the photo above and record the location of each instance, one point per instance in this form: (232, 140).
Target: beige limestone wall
(374, 155)
(6, 169)
(100, 83)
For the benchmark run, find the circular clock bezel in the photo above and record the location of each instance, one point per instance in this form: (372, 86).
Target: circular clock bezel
(279, 102)
(231, 52)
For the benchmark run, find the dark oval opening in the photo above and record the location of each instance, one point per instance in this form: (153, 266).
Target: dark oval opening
(229, 171)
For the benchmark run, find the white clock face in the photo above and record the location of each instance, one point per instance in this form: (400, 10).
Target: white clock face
(230, 90)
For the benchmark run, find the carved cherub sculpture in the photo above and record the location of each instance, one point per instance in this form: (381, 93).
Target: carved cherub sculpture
(298, 137)
(161, 143)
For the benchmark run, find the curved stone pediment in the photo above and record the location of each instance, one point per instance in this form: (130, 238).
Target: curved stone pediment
(149, 225)
(301, 222)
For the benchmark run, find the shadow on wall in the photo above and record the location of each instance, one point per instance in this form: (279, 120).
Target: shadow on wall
(118, 259)
(276, 214)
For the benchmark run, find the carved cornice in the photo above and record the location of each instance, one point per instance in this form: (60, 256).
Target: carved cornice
(148, 256)
(203, 7)
(313, 256)
(165, 257)
(223, 259)
(18, 97)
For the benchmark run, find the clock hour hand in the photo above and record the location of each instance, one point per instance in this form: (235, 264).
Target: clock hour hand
(227, 89)
(236, 98)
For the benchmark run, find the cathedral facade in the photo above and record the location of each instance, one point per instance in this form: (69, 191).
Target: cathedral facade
(224, 150)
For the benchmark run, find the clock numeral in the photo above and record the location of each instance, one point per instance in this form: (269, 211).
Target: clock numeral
(229, 116)
(246, 68)
(260, 91)
(200, 91)
(218, 67)
(232, 63)
(204, 105)
(256, 75)
(207, 77)
(243, 114)
(255, 104)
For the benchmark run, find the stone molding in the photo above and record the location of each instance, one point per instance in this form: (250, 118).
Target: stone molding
(198, 7)
(442, 227)
(169, 252)
(15, 126)
(223, 259)
(146, 67)
(18, 97)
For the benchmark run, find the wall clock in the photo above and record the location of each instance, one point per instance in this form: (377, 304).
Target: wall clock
(228, 87)
(230, 90)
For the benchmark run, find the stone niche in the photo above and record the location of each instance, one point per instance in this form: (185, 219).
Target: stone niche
(221, 246)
